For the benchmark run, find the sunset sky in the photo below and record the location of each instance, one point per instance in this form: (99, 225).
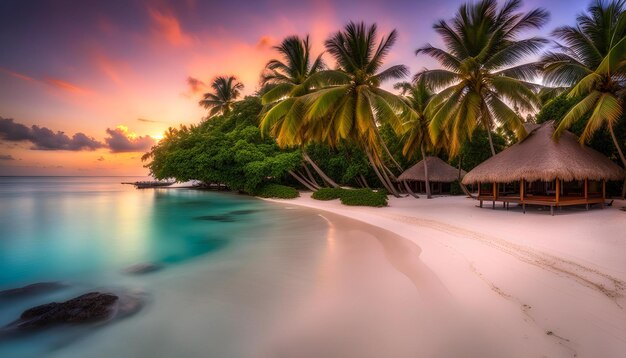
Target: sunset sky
(113, 75)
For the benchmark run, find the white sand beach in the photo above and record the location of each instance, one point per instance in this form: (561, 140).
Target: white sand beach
(496, 283)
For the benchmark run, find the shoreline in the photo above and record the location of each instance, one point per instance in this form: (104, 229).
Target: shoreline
(529, 274)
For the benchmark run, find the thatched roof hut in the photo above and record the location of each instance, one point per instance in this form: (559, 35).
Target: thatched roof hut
(540, 157)
(438, 171)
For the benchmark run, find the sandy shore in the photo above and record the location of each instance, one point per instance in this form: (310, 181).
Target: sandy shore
(498, 283)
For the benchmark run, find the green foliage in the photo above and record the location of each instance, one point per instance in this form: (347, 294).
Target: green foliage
(455, 188)
(344, 163)
(556, 108)
(353, 197)
(277, 191)
(477, 150)
(225, 149)
(363, 197)
(328, 194)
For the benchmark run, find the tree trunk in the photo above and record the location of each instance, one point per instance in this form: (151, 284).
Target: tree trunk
(319, 171)
(364, 181)
(409, 190)
(302, 181)
(380, 177)
(493, 151)
(311, 177)
(621, 156)
(311, 183)
(388, 174)
(382, 142)
(426, 180)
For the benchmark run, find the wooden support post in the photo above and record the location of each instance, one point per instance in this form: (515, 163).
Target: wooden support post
(586, 190)
(603, 193)
(521, 190)
(558, 190)
(479, 190)
(495, 195)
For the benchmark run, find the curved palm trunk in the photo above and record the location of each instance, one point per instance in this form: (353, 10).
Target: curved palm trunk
(382, 142)
(311, 177)
(409, 190)
(391, 178)
(382, 179)
(301, 180)
(426, 180)
(621, 156)
(364, 181)
(318, 170)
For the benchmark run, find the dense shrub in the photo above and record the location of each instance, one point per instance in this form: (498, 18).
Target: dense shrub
(277, 191)
(455, 188)
(363, 197)
(327, 194)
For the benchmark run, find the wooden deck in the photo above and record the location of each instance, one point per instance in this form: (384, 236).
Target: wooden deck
(537, 200)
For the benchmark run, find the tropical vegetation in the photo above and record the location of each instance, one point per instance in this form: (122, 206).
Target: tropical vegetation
(590, 63)
(318, 126)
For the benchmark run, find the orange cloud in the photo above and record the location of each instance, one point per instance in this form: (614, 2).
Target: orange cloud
(264, 42)
(21, 76)
(168, 27)
(50, 81)
(66, 86)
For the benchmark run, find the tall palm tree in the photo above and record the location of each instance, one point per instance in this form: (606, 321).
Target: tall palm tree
(226, 90)
(353, 105)
(482, 75)
(592, 62)
(416, 135)
(284, 81)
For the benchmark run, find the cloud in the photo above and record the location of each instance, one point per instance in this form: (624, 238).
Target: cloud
(6, 157)
(121, 140)
(65, 86)
(265, 42)
(44, 138)
(168, 27)
(13, 132)
(195, 85)
(148, 120)
(50, 81)
(100, 159)
(21, 76)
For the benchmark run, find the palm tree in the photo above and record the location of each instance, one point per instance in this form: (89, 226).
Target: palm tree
(482, 74)
(592, 62)
(353, 105)
(226, 89)
(284, 81)
(416, 134)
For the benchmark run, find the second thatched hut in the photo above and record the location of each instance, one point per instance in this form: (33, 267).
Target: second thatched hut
(440, 176)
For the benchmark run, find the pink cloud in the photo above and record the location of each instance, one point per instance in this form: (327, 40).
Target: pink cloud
(167, 26)
(21, 76)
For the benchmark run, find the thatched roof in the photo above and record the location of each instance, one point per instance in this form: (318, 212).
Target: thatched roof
(540, 157)
(438, 171)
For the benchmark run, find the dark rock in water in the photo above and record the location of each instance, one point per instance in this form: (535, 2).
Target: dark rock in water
(91, 307)
(242, 212)
(139, 269)
(31, 290)
(221, 218)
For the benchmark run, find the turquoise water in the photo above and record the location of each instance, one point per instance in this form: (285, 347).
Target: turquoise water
(69, 228)
(84, 231)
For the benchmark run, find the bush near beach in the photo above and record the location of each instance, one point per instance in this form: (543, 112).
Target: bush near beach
(327, 193)
(353, 197)
(277, 191)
